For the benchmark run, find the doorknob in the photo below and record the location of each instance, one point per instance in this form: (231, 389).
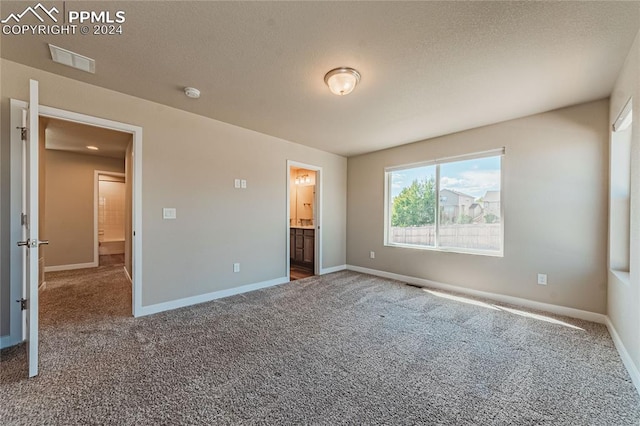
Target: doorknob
(33, 243)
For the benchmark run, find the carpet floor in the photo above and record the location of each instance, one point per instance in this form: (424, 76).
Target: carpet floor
(344, 348)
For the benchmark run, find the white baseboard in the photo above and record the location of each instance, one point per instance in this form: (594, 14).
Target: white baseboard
(127, 274)
(554, 309)
(70, 267)
(194, 300)
(624, 354)
(8, 341)
(333, 269)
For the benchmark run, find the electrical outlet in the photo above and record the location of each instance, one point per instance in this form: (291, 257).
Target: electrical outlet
(236, 183)
(542, 279)
(372, 255)
(236, 267)
(243, 184)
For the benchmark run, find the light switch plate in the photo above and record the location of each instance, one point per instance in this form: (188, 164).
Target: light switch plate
(168, 213)
(243, 184)
(236, 183)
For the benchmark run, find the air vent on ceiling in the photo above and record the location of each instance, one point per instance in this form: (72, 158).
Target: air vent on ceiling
(72, 59)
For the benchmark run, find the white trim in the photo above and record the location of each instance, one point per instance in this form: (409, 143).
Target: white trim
(16, 316)
(472, 156)
(194, 300)
(32, 200)
(317, 219)
(333, 269)
(127, 274)
(624, 354)
(96, 193)
(447, 249)
(136, 238)
(624, 119)
(9, 340)
(554, 309)
(42, 286)
(622, 276)
(70, 267)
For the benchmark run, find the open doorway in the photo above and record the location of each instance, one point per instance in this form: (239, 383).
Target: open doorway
(112, 210)
(26, 148)
(85, 212)
(303, 220)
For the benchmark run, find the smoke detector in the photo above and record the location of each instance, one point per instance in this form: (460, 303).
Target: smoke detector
(192, 92)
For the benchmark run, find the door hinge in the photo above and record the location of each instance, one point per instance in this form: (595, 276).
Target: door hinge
(23, 133)
(23, 304)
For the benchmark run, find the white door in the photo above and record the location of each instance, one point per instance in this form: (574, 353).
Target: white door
(30, 228)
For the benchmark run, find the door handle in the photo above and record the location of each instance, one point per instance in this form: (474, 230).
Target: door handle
(33, 243)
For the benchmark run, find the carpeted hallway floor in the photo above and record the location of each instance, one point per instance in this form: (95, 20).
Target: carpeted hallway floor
(344, 348)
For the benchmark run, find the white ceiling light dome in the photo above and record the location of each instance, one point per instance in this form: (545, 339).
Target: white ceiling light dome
(341, 81)
(192, 92)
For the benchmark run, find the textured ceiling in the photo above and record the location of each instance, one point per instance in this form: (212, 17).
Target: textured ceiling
(428, 68)
(64, 135)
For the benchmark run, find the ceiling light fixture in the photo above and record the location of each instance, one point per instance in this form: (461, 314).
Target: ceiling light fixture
(92, 148)
(72, 59)
(342, 81)
(301, 180)
(192, 92)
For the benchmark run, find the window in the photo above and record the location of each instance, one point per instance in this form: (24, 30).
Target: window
(451, 204)
(619, 190)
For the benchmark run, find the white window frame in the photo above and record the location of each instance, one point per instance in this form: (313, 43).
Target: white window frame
(620, 265)
(437, 162)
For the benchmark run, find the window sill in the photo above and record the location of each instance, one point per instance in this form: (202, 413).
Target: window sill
(448, 250)
(622, 276)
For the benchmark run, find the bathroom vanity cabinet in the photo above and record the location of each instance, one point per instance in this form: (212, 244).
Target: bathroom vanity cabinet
(302, 247)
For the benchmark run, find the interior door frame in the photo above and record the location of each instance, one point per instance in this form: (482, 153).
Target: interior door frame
(96, 194)
(16, 318)
(317, 219)
(16, 328)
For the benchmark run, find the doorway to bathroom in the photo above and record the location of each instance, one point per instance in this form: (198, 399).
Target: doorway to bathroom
(112, 211)
(303, 220)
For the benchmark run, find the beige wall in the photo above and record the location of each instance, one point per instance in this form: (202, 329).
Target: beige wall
(555, 204)
(624, 297)
(189, 162)
(69, 205)
(305, 195)
(302, 197)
